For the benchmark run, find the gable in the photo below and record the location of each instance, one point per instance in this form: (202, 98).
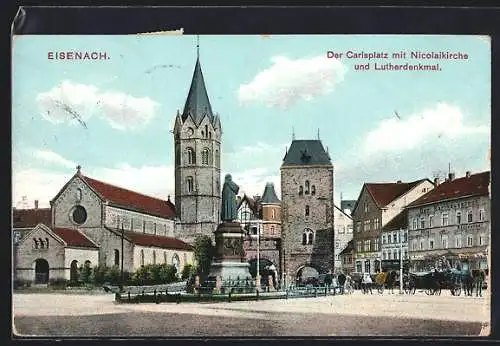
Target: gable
(42, 231)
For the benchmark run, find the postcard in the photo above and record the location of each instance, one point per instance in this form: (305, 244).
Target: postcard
(250, 185)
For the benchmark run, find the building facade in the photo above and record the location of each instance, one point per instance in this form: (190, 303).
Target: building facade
(394, 241)
(347, 258)
(378, 204)
(197, 150)
(343, 234)
(307, 211)
(450, 226)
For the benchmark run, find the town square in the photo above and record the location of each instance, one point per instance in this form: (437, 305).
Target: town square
(263, 190)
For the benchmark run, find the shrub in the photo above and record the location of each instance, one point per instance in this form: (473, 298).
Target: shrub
(187, 271)
(20, 283)
(58, 283)
(84, 273)
(153, 274)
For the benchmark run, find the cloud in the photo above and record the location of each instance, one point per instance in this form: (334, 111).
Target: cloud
(415, 147)
(253, 181)
(48, 156)
(68, 101)
(398, 135)
(288, 81)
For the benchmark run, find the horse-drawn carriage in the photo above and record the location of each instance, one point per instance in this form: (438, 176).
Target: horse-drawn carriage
(433, 282)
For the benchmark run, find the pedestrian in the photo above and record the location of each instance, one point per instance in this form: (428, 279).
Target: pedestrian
(480, 276)
(328, 280)
(367, 283)
(341, 281)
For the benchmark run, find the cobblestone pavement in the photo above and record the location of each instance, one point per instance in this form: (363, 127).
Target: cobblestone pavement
(349, 315)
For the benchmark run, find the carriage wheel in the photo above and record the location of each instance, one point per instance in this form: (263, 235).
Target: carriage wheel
(429, 291)
(438, 291)
(458, 290)
(380, 289)
(413, 289)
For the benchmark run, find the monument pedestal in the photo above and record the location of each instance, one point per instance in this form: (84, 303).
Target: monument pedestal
(229, 261)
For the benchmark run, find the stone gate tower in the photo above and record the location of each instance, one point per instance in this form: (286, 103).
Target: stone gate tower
(307, 209)
(197, 138)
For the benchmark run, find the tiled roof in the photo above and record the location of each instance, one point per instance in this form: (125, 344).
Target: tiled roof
(269, 195)
(348, 249)
(73, 237)
(306, 152)
(144, 239)
(197, 103)
(475, 185)
(130, 199)
(29, 218)
(398, 222)
(385, 193)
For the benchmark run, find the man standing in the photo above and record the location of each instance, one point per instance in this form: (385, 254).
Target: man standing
(341, 280)
(328, 280)
(479, 283)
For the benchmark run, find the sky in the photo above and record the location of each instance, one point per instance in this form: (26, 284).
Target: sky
(378, 126)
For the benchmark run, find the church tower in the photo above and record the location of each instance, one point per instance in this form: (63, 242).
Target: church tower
(197, 138)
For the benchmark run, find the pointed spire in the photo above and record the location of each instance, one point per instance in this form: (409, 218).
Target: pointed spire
(197, 103)
(293, 134)
(318, 134)
(197, 47)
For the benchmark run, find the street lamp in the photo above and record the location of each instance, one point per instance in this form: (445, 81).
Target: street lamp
(401, 261)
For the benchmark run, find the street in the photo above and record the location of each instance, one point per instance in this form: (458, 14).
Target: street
(56, 315)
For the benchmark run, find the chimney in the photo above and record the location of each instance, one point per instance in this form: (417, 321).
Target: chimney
(36, 203)
(451, 176)
(436, 182)
(467, 174)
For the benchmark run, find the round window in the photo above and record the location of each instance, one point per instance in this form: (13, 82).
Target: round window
(79, 215)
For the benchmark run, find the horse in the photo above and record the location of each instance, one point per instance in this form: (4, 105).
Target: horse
(386, 280)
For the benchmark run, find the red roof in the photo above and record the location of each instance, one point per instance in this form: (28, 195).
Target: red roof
(385, 193)
(29, 218)
(475, 185)
(73, 237)
(127, 198)
(144, 239)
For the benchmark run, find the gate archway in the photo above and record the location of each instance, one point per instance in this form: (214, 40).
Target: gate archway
(307, 274)
(41, 271)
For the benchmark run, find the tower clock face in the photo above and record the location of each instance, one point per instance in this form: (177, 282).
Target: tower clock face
(190, 131)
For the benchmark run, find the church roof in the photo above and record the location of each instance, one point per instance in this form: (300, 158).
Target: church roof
(144, 239)
(306, 152)
(269, 195)
(197, 103)
(75, 238)
(131, 199)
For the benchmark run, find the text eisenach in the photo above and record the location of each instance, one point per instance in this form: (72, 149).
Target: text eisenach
(75, 55)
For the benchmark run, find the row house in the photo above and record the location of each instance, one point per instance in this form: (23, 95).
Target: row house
(394, 240)
(343, 234)
(451, 224)
(376, 206)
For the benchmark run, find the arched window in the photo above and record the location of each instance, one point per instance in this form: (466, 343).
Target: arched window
(217, 158)
(191, 156)
(47, 243)
(154, 256)
(78, 194)
(35, 243)
(307, 210)
(41, 243)
(117, 257)
(307, 237)
(142, 257)
(307, 187)
(459, 218)
(206, 131)
(301, 190)
(205, 156)
(210, 135)
(189, 184)
(313, 190)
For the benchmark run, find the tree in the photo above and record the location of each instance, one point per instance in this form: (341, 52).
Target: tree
(187, 271)
(204, 251)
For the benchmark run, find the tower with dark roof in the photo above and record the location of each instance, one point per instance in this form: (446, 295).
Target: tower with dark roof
(197, 141)
(307, 210)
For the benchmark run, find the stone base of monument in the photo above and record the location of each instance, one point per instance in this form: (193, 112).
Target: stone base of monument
(230, 268)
